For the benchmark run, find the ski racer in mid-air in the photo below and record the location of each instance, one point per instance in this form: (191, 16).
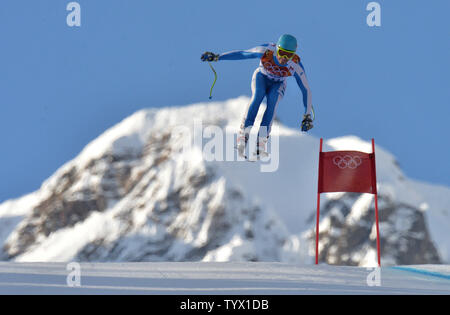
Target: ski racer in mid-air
(277, 63)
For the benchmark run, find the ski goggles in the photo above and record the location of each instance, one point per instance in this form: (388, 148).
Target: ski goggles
(283, 53)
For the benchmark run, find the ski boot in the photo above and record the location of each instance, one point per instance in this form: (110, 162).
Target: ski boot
(242, 143)
(261, 148)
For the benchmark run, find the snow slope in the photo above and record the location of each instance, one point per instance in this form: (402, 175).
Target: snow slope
(137, 193)
(197, 278)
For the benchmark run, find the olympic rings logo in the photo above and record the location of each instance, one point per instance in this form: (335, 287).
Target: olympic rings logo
(347, 161)
(276, 70)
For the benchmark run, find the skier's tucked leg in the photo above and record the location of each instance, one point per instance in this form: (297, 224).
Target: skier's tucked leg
(274, 95)
(258, 93)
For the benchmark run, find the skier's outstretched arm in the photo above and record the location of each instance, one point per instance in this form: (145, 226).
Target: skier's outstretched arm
(302, 82)
(255, 52)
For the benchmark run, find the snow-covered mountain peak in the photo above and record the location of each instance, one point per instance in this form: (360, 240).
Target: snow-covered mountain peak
(136, 194)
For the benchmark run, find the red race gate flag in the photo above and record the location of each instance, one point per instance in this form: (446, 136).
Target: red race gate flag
(347, 171)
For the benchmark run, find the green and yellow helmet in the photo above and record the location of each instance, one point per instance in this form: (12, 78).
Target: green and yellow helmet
(287, 42)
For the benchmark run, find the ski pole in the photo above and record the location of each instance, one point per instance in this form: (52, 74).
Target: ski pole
(215, 79)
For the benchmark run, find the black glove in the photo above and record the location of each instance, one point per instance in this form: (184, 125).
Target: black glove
(209, 56)
(307, 122)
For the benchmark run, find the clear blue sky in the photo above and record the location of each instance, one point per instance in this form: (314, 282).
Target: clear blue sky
(61, 87)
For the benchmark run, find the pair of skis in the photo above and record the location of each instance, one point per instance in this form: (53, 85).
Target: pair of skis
(256, 157)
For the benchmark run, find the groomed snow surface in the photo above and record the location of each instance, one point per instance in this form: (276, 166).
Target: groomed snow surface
(230, 278)
(286, 202)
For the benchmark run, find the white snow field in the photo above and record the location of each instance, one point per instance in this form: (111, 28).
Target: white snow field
(217, 278)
